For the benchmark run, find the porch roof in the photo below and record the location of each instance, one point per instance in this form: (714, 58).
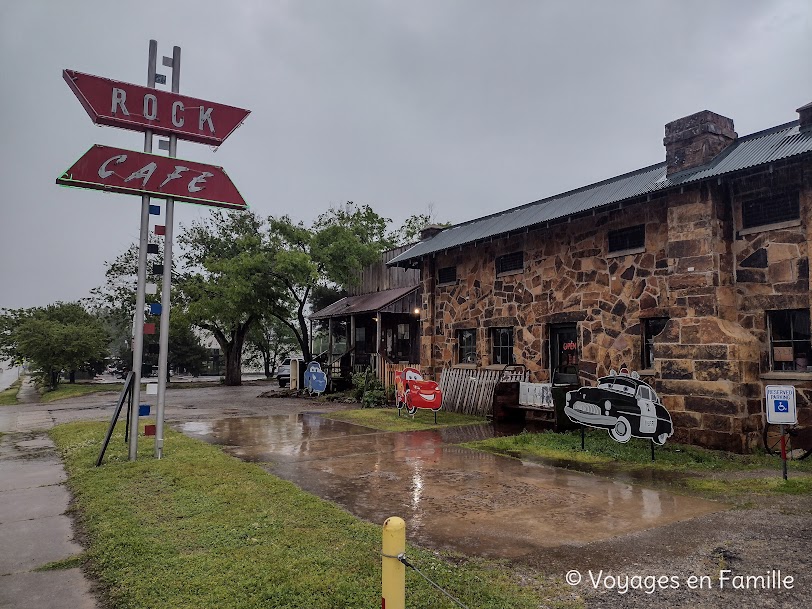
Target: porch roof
(363, 303)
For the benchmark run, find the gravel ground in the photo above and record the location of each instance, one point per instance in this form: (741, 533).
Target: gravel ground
(753, 538)
(746, 541)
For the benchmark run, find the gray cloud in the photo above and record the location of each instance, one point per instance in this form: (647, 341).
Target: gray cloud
(474, 106)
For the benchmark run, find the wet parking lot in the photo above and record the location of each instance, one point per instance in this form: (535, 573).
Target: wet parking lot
(451, 497)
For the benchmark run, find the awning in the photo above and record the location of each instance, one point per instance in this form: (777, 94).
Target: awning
(365, 303)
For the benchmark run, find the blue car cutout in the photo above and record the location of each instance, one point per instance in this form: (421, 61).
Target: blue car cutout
(315, 379)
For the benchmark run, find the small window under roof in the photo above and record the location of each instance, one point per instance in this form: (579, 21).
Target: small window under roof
(771, 209)
(631, 238)
(510, 263)
(447, 274)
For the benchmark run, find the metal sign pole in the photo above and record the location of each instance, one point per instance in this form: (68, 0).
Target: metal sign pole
(783, 453)
(140, 298)
(163, 355)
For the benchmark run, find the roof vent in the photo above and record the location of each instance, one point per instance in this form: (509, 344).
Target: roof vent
(696, 140)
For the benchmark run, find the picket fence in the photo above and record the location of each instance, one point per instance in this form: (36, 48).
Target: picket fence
(470, 390)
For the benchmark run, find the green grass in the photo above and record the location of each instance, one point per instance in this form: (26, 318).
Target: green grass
(685, 467)
(71, 562)
(67, 390)
(199, 529)
(774, 485)
(387, 419)
(8, 397)
(602, 450)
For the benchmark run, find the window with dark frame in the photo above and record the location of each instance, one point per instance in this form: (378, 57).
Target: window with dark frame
(447, 274)
(466, 346)
(403, 344)
(510, 263)
(651, 328)
(772, 208)
(789, 340)
(631, 238)
(502, 346)
(360, 340)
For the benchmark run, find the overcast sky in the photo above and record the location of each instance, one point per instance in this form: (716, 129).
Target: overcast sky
(473, 106)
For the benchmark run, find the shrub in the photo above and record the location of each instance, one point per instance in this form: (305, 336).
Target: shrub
(368, 389)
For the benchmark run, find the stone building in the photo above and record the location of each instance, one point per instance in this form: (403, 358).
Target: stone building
(693, 271)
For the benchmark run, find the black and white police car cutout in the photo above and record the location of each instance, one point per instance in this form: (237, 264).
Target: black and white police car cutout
(624, 405)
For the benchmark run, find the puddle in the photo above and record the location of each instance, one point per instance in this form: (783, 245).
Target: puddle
(451, 497)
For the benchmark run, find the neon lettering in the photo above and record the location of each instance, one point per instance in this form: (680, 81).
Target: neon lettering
(179, 169)
(145, 172)
(193, 183)
(150, 107)
(177, 121)
(106, 173)
(119, 99)
(205, 117)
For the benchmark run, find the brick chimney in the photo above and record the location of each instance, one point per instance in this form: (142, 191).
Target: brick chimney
(805, 116)
(695, 140)
(429, 231)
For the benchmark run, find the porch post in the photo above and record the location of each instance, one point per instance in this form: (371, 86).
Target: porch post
(378, 339)
(330, 350)
(352, 342)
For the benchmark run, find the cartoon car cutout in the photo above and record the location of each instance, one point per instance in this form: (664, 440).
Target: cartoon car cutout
(624, 405)
(413, 392)
(315, 379)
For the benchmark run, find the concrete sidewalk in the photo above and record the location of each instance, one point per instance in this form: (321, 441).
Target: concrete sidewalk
(34, 529)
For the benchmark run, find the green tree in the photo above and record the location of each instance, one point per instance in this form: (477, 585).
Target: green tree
(332, 252)
(410, 230)
(114, 303)
(62, 337)
(268, 341)
(185, 350)
(228, 284)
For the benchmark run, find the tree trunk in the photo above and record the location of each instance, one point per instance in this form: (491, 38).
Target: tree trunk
(233, 365)
(266, 356)
(232, 349)
(72, 377)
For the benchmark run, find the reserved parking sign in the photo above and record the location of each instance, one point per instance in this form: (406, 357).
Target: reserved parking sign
(780, 405)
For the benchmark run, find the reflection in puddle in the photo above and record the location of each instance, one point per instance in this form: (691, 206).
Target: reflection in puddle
(451, 497)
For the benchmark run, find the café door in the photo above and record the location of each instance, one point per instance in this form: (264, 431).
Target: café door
(564, 351)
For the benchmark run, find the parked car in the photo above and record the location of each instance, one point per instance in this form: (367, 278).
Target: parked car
(624, 405)
(283, 371)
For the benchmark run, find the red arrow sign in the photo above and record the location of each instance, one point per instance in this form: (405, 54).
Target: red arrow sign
(120, 104)
(139, 173)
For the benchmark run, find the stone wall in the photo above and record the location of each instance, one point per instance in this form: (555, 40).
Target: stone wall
(714, 288)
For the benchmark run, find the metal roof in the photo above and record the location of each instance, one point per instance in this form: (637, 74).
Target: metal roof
(756, 149)
(374, 301)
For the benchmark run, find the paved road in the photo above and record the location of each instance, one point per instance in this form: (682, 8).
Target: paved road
(8, 375)
(770, 534)
(452, 497)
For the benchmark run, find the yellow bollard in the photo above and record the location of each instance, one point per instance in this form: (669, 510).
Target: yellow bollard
(393, 572)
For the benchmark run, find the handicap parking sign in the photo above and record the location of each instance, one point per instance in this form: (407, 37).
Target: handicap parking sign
(780, 404)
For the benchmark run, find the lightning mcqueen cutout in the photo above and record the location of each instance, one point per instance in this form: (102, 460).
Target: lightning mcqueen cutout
(622, 404)
(413, 392)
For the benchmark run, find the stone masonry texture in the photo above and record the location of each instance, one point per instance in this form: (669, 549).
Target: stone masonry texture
(714, 285)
